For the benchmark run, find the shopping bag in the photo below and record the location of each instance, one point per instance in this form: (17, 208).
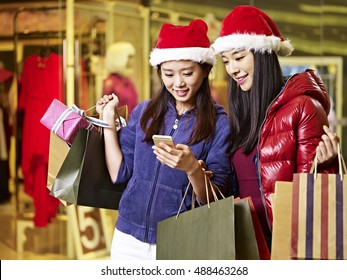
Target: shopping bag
(83, 178)
(319, 215)
(249, 236)
(282, 218)
(246, 246)
(203, 233)
(122, 114)
(263, 249)
(58, 150)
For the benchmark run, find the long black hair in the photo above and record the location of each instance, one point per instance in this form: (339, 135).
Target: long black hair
(152, 120)
(247, 110)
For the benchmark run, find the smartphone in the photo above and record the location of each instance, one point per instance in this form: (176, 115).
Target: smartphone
(163, 138)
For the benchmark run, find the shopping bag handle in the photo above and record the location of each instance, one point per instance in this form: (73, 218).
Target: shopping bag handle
(121, 118)
(342, 164)
(122, 121)
(83, 114)
(208, 184)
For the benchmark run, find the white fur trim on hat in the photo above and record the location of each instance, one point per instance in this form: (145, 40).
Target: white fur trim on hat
(196, 54)
(258, 43)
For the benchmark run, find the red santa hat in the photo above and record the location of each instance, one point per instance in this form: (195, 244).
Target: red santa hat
(183, 43)
(250, 28)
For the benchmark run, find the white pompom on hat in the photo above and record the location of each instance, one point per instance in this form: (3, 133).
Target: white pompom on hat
(177, 42)
(250, 28)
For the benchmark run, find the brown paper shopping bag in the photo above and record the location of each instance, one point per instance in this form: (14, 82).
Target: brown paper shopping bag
(282, 217)
(58, 150)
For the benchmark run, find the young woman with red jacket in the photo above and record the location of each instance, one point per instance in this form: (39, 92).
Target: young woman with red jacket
(276, 122)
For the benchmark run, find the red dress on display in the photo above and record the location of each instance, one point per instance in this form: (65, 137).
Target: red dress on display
(123, 88)
(41, 82)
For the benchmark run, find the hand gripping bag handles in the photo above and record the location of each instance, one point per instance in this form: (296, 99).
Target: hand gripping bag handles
(319, 214)
(203, 233)
(83, 178)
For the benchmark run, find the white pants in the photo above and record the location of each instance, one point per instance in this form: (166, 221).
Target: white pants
(127, 247)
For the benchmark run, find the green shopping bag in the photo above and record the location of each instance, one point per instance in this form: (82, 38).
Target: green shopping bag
(203, 233)
(221, 230)
(246, 245)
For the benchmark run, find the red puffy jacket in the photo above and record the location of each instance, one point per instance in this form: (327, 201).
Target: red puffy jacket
(292, 131)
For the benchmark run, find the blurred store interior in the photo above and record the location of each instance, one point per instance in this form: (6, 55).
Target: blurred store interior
(80, 33)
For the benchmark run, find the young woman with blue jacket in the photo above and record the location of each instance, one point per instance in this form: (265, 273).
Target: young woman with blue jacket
(157, 176)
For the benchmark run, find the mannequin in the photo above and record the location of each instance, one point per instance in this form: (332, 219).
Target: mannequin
(6, 78)
(119, 65)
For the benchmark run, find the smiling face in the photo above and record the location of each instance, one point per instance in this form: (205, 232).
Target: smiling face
(182, 79)
(239, 64)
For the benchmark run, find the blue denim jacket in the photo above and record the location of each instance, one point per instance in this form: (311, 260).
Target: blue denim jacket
(154, 191)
